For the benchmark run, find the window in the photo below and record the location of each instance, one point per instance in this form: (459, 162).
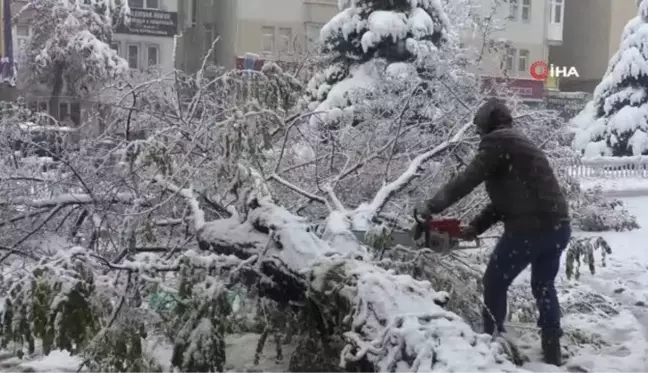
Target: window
(313, 35)
(75, 113)
(556, 11)
(152, 56)
(116, 46)
(133, 56)
(22, 36)
(513, 9)
(526, 10)
(152, 4)
(510, 56)
(285, 40)
(268, 39)
(64, 111)
(194, 12)
(22, 31)
(523, 60)
(136, 4)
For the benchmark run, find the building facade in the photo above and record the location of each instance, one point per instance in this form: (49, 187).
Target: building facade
(147, 42)
(288, 29)
(529, 29)
(278, 29)
(592, 35)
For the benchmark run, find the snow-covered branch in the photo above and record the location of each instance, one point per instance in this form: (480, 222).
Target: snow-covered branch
(413, 171)
(68, 199)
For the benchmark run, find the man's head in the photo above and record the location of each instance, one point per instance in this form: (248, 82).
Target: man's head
(492, 115)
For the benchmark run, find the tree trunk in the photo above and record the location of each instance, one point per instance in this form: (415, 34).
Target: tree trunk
(57, 89)
(54, 110)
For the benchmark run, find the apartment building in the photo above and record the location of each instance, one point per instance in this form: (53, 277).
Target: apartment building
(148, 39)
(260, 29)
(530, 28)
(592, 34)
(146, 42)
(253, 30)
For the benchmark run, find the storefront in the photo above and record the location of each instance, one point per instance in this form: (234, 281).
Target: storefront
(531, 91)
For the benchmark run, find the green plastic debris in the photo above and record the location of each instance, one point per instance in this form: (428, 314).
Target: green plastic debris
(234, 297)
(160, 301)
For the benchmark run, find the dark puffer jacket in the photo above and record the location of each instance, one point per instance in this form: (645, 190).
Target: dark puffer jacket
(522, 187)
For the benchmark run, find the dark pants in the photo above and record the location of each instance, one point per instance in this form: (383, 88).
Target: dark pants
(513, 253)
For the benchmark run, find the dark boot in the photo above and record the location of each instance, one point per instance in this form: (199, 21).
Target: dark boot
(551, 348)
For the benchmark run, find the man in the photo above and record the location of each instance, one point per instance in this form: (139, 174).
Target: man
(525, 195)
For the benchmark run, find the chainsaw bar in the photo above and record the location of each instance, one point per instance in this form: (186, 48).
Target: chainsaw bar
(438, 242)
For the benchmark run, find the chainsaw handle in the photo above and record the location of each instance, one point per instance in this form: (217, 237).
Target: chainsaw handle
(427, 235)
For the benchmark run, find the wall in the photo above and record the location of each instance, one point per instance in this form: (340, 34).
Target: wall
(296, 15)
(163, 43)
(622, 11)
(526, 35)
(589, 45)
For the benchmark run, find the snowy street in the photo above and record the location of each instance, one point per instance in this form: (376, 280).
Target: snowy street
(625, 281)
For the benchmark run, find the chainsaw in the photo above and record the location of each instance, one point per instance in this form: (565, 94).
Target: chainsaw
(438, 235)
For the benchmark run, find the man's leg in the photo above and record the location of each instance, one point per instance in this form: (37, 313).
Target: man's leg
(511, 255)
(543, 275)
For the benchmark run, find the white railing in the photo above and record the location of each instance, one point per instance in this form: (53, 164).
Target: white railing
(607, 167)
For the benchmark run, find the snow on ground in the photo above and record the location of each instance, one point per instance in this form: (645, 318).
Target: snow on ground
(618, 187)
(624, 280)
(56, 361)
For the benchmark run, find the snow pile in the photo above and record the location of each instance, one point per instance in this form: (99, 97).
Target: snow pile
(615, 122)
(291, 241)
(399, 323)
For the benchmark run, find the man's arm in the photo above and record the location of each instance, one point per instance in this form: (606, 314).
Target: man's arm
(485, 219)
(482, 165)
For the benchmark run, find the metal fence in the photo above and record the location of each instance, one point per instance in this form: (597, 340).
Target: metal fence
(606, 167)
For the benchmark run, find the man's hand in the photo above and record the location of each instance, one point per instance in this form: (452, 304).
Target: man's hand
(428, 208)
(416, 231)
(468, 233)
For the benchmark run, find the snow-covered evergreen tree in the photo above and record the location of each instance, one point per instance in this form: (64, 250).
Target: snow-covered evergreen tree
(70, 47)
(615, 122)
(392, 31)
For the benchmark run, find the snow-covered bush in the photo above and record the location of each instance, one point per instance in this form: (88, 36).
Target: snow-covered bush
(614, 122)
(595, 213)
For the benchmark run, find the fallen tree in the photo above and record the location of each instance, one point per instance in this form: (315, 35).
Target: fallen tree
(391, 321)
(388, 321)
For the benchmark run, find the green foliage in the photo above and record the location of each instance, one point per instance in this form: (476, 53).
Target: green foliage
(593, 212)
(200, 313)
(53, 304)
(581, 249)
(121, 350)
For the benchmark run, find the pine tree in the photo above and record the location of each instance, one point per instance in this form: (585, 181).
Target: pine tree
(389, 31)
(615, 122)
